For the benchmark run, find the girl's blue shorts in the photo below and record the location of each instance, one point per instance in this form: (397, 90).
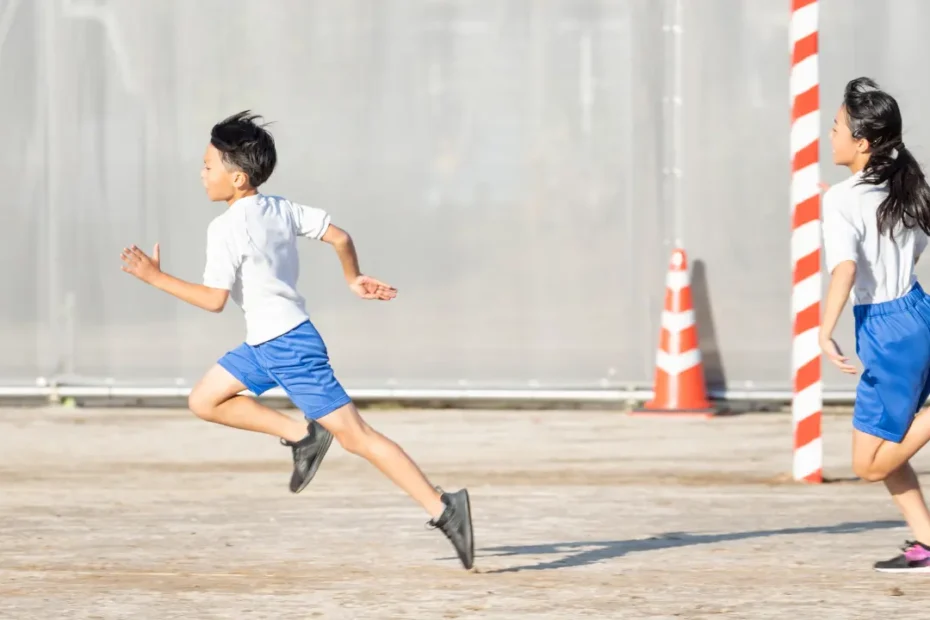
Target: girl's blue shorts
(893, 344)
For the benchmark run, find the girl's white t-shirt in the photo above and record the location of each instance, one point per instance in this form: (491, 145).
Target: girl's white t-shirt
(884, 266)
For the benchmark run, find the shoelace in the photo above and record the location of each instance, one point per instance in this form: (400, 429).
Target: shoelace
(432, 524)
(294, 444)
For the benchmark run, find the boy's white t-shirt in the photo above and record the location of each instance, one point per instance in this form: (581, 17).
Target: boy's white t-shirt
(884, 267)
(252, 253)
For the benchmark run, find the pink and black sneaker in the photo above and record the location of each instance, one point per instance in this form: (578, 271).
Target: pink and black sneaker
(915, 559)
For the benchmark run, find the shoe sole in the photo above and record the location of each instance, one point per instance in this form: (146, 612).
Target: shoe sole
(315, 465)
(471, 534)
(922, 569)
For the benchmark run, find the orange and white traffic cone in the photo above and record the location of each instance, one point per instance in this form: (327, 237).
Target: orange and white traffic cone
(679, 377)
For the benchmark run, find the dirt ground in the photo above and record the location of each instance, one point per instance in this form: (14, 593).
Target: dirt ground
(153, 514)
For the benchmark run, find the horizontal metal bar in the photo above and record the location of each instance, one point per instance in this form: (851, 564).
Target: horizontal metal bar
(829, 397)
(415, 394)
(26, 391)
(112, 391)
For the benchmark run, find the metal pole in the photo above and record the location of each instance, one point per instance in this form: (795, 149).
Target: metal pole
(676, 104)
(52, 164)
(805, 242)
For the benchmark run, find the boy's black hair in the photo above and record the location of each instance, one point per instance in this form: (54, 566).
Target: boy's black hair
(874, 115)
(246, 145)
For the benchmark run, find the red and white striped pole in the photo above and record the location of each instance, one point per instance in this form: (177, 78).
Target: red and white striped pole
(807, 402)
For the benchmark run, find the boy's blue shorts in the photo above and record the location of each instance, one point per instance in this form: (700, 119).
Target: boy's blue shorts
(298, 362)
(893, 343)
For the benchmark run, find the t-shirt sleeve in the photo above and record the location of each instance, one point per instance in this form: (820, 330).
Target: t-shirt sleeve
(309, 221)
(840, 235)
(223, 260)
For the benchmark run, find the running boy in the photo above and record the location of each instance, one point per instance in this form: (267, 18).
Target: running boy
(252, 257)
(875, 226)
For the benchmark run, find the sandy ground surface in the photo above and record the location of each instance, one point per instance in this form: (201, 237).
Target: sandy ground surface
(154, 514)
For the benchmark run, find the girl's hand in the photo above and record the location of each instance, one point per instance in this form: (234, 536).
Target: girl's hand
(833, 353)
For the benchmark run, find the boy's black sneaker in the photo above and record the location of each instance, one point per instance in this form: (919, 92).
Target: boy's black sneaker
(308, 454)
(455, 523)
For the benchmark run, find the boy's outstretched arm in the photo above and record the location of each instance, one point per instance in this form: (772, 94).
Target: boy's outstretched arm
(364, 286)
(148, 269)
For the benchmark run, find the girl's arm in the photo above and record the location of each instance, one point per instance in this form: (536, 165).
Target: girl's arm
(841, 283)
(841, 248)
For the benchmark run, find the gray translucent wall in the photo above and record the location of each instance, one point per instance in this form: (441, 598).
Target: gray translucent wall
(508, 165)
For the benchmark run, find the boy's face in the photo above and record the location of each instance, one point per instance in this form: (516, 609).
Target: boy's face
(220, 182)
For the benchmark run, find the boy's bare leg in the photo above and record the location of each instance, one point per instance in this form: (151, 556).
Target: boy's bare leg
(216, 399)
(354, 434)
(450, 512)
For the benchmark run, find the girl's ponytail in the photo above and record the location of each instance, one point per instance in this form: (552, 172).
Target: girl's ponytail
(874, 115)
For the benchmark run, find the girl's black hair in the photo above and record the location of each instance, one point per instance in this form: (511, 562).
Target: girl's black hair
(246, 145)
(874, 115)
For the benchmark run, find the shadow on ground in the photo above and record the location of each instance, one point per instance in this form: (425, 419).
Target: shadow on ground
(582, 553)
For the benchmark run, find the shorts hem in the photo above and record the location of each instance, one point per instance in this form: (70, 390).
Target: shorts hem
(319, 412)
(238, 376)
(878, 432)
